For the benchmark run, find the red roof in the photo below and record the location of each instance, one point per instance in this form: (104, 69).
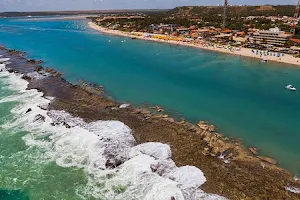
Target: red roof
(295, 40)
(240, 33)
(193, 28)
(226, 31)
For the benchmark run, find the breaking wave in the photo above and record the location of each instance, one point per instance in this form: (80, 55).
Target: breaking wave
(116, 168)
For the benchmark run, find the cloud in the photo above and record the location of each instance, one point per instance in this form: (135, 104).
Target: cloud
(46, 5)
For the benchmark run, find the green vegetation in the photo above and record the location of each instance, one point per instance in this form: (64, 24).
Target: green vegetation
(236, 15)
(236, 11)
(201, 16)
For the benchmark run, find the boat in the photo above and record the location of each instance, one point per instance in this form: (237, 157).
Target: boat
(291, 88)
(264, 60)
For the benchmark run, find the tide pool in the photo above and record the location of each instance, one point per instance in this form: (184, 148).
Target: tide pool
(244, 98)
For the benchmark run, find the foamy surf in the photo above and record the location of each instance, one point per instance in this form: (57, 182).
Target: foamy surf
(293, 189)
(116, 168)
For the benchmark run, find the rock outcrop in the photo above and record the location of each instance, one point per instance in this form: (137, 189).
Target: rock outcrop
(268, 160)
(39, 118)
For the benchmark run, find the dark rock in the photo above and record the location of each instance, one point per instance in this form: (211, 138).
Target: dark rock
(112, 163)
(253, 150)
(66, 125)
(27, 78)
(43, 107)
(159, 109)
(33, 61)
(207, 127)
(38, 68)
(29, 110)
(39, 118)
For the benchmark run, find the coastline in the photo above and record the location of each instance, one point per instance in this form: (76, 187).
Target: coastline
(230, 169)
(245, 52)
(72, 17)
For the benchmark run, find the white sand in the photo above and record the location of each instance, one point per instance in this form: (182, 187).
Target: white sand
(289, 59)
(71, 17)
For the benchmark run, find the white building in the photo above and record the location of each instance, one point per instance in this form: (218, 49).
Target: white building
(273, 36)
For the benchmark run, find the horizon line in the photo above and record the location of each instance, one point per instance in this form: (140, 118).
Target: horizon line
(142, 9)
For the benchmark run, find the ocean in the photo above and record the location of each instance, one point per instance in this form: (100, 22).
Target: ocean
(41, 158)
(244, 98)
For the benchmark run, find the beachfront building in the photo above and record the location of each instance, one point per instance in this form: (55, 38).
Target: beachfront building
(272, 36)
(183, 30)
(162, 28)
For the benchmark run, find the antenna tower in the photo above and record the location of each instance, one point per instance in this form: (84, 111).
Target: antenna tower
(225, 13)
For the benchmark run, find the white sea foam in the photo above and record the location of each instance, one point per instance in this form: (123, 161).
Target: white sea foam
(115, 167)
(293, 190)
(155, 149)
(38, 75)
(125, 105)
(4, 59)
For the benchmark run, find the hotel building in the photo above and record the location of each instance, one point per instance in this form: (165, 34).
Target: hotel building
(273, 36)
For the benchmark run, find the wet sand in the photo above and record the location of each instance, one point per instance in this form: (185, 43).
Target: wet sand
(288, 59)
(243, 176)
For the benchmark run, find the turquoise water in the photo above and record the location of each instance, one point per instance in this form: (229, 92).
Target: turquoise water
(26, 172)
(42, 159)
(245, 98)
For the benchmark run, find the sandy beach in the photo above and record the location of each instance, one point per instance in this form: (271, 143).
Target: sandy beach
(286, 58)
(71, 17)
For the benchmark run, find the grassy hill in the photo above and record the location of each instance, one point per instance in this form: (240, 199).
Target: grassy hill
(235, 11)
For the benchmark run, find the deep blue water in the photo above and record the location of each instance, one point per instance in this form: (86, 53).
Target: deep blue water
(244, 98)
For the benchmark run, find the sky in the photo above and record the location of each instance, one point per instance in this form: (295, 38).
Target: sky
(53, 5)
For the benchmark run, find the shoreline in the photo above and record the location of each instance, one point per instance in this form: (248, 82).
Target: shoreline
(223, 162)
(106, 146)
(245, 52)
(70, 17)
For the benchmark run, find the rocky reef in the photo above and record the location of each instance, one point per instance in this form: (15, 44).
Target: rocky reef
(230, 168)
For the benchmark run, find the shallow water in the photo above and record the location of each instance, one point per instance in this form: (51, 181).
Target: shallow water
(245, 98)
(43, 159)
